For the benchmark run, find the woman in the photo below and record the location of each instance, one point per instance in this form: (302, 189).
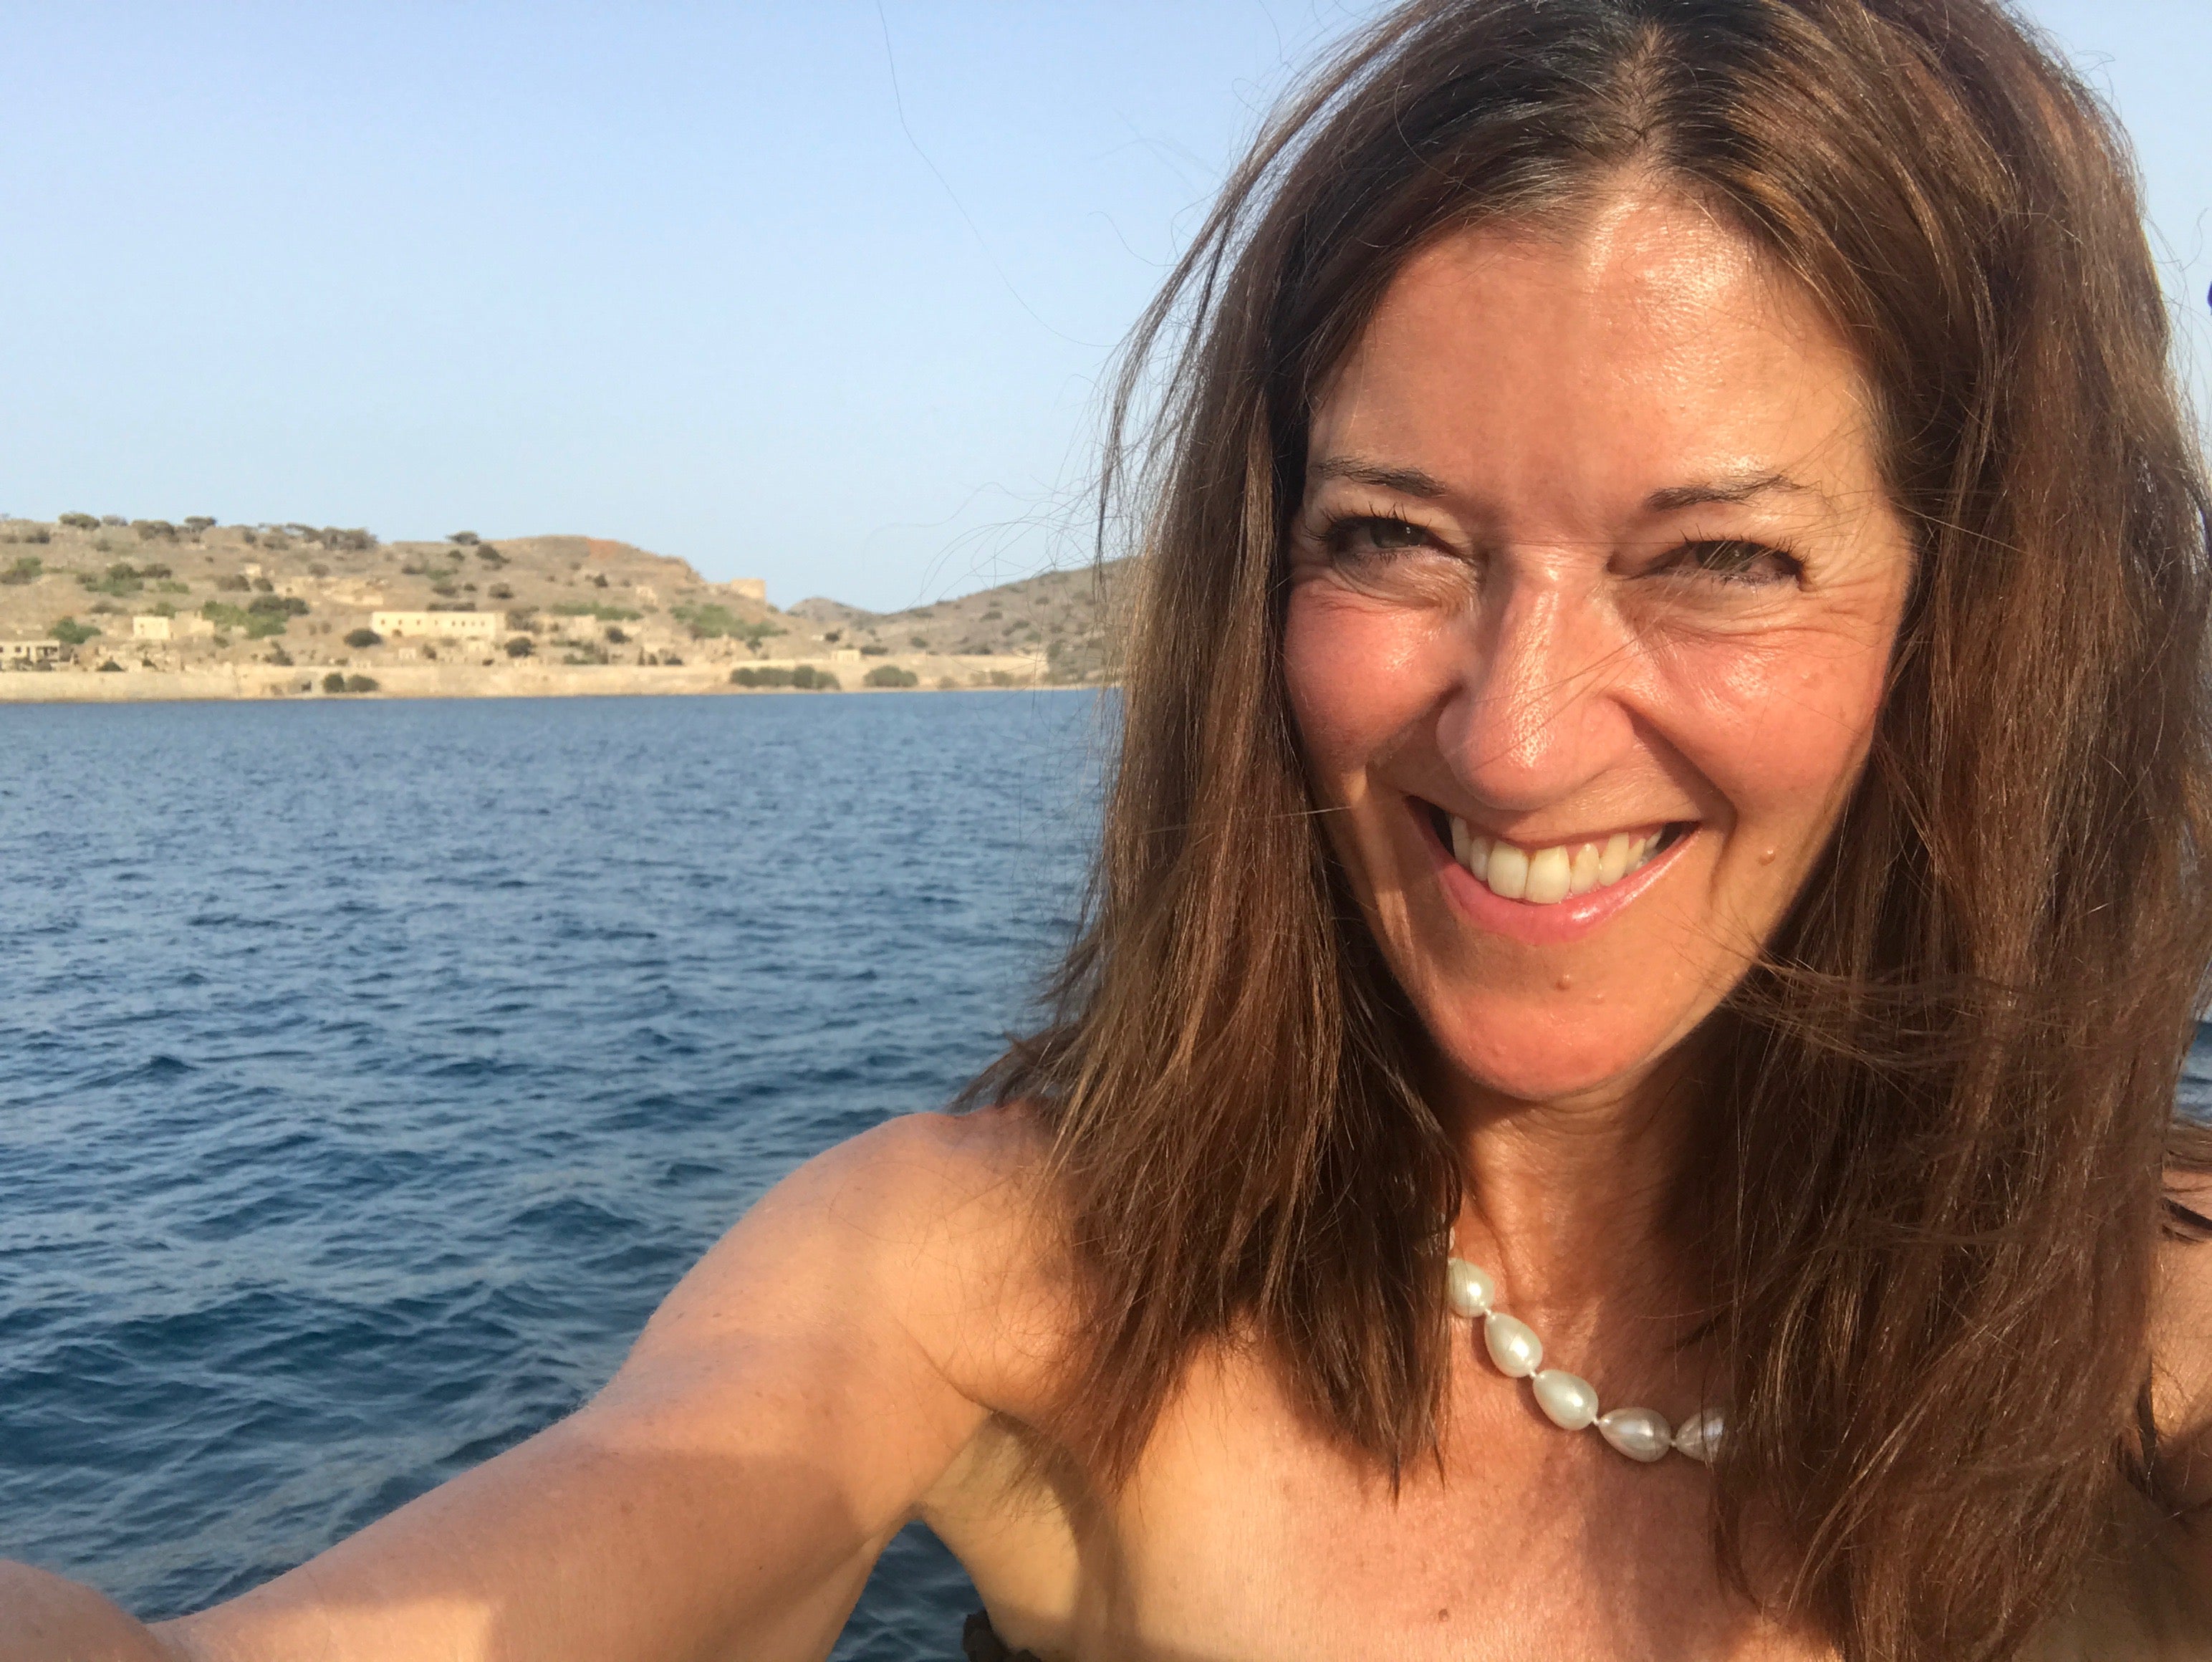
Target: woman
(1660, 823)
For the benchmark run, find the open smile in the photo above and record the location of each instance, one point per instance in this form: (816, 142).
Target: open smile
(1550, 894)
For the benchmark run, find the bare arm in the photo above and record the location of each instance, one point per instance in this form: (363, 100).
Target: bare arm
(43, 1618)
(727, 1493)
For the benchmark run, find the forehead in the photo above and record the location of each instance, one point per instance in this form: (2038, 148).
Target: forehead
(1645, 341)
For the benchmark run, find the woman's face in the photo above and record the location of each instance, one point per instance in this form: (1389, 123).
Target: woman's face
(1594, 589)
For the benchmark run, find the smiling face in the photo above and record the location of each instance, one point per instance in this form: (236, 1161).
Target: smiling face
(1593, 594)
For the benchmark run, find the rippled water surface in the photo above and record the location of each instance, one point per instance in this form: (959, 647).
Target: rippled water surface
(372, 1070)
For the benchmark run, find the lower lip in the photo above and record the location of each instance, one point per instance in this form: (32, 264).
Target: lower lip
(1542, 926)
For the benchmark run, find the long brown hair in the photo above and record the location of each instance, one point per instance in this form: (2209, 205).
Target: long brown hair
(1944, 1100)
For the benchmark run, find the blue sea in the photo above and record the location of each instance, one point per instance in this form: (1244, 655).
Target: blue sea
(372, 1069)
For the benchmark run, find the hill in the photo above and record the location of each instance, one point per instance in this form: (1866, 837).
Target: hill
(194, 598)
(1064, 614)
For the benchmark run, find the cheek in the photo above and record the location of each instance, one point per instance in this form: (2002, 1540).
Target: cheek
(1356, 674)
(1781, 732)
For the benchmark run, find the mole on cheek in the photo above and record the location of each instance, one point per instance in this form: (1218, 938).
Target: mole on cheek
(1566, 984)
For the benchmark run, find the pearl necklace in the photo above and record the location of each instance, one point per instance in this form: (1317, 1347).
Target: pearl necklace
(1568, 1401)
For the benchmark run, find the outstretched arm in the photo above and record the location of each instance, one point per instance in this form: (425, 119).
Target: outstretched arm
(727, 1493)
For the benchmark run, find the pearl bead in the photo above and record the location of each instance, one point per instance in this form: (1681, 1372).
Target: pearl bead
(1513, 1345)
(1699, 1436)
(1571, 1402)
(1636, 1431)
(1469, 1289)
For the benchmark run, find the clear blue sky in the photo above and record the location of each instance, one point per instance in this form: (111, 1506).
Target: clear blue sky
(708, 278)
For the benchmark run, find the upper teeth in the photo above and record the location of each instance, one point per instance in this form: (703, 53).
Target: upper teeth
(1544, 877)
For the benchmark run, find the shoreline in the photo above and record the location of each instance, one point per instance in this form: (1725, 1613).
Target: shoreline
(261, 683)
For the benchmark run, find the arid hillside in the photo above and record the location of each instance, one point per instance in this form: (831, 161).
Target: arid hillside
(1066, 615)
(347, 612)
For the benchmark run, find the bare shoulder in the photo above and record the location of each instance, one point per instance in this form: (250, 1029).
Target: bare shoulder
(2181, 1343)
(930, 1233)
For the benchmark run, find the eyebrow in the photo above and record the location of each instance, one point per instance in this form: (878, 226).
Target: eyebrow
(1726, 490)
(1412, 481)
(1408, 481)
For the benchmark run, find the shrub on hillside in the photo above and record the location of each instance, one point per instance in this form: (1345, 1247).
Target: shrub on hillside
(196, 523)
(231, 582)
(500, 591)
(80, 521)
(465, 539)
(334, 682)
(117, 580)
(490, 556)
(155, 531)
(111, 667)
(818, 680)
(360, 684)
(27, 570)
(360, 638)
(616, 634)
(26, 533)
(520, 647)
(69, 632)
(711, 622)
(890, 675)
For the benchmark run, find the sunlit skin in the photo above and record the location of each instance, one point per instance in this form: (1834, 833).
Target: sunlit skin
(1595, 539)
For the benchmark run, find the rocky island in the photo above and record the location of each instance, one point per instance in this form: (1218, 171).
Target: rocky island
(95, 607)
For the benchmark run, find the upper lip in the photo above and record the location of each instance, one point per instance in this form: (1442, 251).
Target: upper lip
(1563, 839)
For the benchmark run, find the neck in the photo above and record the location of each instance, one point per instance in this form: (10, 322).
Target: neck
(1574, 1202)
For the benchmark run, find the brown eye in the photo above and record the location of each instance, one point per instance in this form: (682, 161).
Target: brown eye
(1374, 533)
(1735, 560)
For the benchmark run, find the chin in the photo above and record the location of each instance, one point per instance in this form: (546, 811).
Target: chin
(1531, 1050)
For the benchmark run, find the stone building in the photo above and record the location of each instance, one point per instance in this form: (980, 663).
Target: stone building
(481, 627)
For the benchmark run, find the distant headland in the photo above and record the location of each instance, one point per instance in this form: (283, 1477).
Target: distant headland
(96, 608)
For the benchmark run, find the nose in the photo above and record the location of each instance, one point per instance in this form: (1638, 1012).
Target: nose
(1538, 709)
